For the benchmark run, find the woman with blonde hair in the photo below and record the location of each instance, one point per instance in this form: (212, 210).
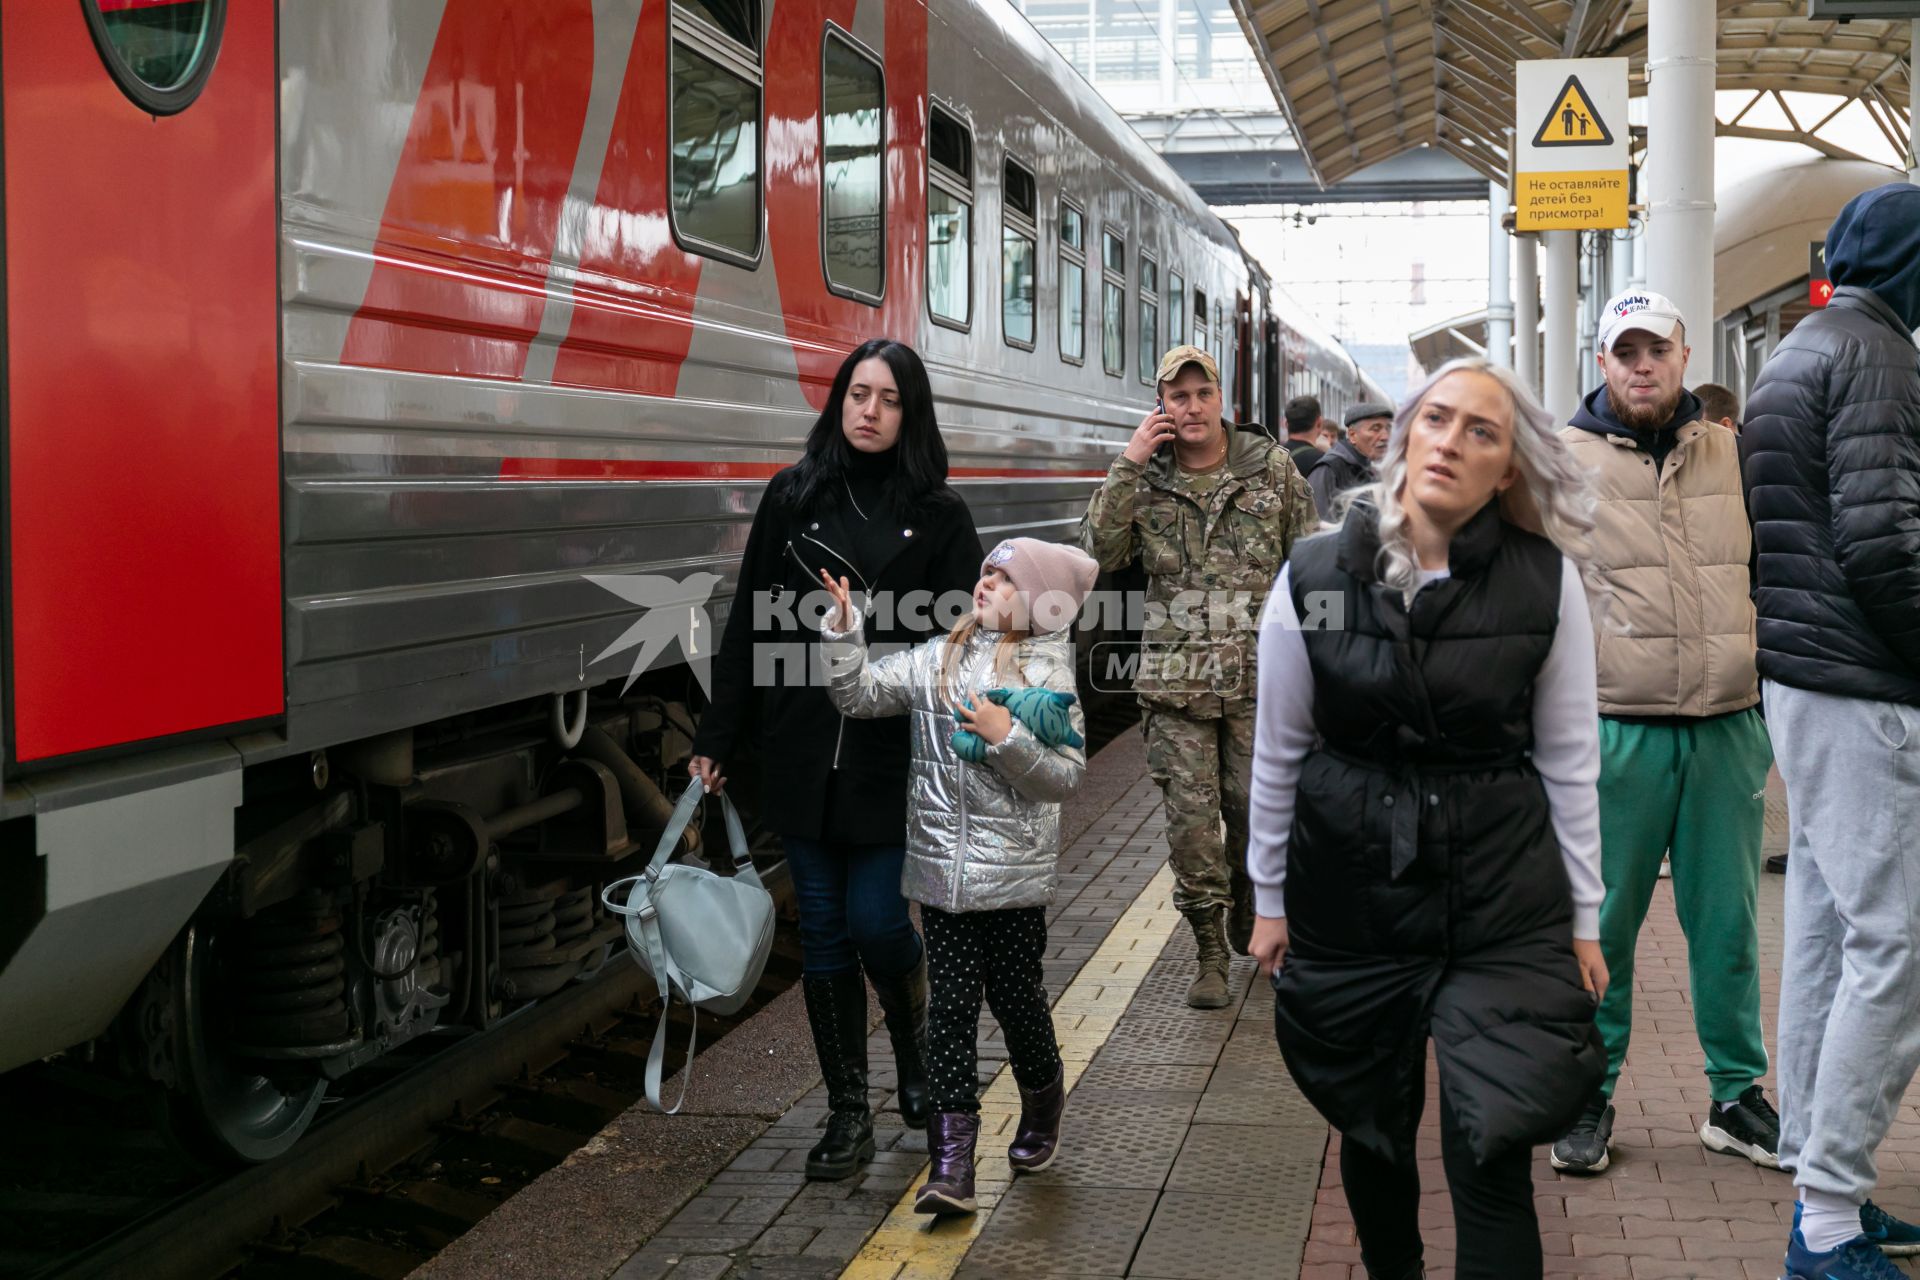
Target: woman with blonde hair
(1426, 853)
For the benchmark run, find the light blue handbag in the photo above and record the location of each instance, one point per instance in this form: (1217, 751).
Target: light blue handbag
(704, 937)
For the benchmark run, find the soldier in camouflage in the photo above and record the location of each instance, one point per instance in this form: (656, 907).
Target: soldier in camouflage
(1212, 517)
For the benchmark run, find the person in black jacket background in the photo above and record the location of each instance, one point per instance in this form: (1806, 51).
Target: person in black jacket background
(1351, 462)
(868, 501)
(1832, 448)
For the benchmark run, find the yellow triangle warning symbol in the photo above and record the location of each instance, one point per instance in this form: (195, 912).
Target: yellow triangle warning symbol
(1573, 121)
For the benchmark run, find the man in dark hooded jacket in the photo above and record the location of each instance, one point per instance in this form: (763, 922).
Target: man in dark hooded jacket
(1833, 480)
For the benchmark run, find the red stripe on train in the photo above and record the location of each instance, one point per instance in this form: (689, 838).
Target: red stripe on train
(661, 469)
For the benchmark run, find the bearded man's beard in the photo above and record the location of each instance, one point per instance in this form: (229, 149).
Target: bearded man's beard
(1647, 417)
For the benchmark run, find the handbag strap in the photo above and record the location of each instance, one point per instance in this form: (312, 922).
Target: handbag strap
(683, 814)
(657, 1054)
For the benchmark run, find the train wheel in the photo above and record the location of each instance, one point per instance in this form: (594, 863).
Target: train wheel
(227, 1109)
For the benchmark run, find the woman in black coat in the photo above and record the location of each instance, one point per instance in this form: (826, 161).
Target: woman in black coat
(868, 501)
(1426, 836)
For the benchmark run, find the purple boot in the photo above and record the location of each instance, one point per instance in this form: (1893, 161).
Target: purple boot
(949, 1186)
(1038, 1140)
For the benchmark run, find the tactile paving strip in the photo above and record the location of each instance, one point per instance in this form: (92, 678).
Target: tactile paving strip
(1173, 1102)
(1144, 1075)
(1051, 1230)
(1109, 1147)
(1203, 1236)
(1258, 1106)
(1231, 1159)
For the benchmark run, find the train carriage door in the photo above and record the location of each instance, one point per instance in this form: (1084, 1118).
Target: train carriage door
(1276, 361)
(141, 330)
(1243, 359)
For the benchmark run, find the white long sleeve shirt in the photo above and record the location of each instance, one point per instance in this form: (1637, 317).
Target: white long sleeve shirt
(1566, 746)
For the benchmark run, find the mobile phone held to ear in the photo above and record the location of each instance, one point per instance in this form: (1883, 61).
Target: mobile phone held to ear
(1160, 407)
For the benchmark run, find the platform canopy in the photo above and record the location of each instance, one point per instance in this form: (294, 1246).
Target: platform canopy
(1361, 81)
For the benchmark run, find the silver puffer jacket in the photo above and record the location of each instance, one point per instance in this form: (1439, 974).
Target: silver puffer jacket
(979, 837)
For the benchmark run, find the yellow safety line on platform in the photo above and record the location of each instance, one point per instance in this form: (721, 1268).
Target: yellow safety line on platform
(911, 1246)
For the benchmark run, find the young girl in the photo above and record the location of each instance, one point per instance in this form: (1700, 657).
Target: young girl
(983, 841)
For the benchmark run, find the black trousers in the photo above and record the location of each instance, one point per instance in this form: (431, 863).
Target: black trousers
(1496, 1232)
(997, 953)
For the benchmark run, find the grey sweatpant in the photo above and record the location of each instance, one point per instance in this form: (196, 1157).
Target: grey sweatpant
(1850, 976)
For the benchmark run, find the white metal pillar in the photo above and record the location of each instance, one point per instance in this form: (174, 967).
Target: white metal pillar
(1679, 170)
(1526, 311)
(1560, 376)
(1499, 282)
(1620, 261)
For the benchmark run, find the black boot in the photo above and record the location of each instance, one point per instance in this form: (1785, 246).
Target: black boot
(837, 1014)
(904, 1000)
(949, 1185)
(1240, 913)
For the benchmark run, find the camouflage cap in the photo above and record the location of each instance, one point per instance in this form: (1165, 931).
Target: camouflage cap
(1180, 357)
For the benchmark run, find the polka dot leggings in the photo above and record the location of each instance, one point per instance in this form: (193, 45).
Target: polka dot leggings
(998, 952)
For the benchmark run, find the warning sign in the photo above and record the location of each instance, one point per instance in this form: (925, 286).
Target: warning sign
(1570, 167)
(1573, 121)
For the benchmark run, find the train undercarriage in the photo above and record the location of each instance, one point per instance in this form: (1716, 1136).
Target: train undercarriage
(427, 882)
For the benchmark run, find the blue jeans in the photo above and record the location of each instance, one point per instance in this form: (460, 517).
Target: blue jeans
(852, 914)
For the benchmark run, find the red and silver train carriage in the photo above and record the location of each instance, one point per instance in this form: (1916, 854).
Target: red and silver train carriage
(348, 342)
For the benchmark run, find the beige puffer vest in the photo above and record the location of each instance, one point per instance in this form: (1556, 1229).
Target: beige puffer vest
(1669, 584)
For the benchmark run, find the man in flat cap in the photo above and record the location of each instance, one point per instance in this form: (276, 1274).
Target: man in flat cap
(1351, 462)
(1212, 513)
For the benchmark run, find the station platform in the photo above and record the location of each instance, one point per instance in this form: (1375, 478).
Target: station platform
(1187, 1152)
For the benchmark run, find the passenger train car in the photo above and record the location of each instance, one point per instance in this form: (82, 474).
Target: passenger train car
(388, 381)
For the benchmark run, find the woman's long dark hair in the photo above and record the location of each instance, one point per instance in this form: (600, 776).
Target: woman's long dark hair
(920, 455)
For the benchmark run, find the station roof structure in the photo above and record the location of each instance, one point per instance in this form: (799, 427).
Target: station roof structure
(1361, 81)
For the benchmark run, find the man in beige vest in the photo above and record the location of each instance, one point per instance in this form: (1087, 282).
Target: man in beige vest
(1683, 752)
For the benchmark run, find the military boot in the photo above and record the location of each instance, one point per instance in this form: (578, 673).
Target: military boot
(1240, 914)
(1209, 990)
(837, 1016)
(904, 1000)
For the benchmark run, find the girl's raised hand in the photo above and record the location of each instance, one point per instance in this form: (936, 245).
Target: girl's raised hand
(842, 616)
(989, 719)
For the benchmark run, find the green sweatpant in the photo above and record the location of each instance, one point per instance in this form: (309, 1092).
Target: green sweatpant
(1698, 789)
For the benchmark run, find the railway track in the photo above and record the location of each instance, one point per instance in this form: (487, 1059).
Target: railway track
(420, 1146)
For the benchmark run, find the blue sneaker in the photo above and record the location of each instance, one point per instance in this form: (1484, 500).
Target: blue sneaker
(1896, 1239)
(1857, 1259)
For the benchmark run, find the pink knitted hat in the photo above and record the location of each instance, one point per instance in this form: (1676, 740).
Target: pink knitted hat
(1054, 578)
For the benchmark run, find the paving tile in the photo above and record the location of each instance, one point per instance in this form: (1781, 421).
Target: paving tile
(1037, 1230)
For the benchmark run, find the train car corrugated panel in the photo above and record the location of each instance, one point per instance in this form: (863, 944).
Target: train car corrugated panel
(444, 513)
(143, 503)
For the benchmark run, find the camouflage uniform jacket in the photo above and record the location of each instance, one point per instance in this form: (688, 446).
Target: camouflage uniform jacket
(1210, 561)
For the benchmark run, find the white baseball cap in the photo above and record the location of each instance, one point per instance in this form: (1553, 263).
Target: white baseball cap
(1638, 309)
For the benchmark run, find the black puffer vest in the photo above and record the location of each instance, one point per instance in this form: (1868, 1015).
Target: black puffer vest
(1425, 890)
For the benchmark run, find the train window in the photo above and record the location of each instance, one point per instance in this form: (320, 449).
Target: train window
(738, 20)
(1176, 308)
(1018, 236)
(1149, 318)
(160, 52)
(949, 220)
(1113, 303)
(1200, 319)
(1073, 284)
(853, 100)
(714, 106)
